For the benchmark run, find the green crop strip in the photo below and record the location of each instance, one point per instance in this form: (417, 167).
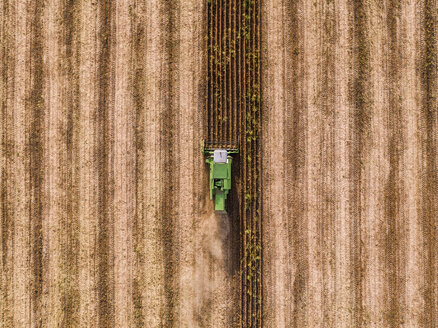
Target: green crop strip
(252, 99)
(253, 253)
(233, 84)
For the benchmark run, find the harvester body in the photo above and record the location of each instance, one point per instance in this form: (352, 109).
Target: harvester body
(219, 161)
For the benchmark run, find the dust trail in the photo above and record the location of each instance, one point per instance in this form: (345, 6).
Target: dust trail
(213, 280)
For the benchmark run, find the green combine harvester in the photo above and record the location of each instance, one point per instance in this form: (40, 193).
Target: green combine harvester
(219, 160)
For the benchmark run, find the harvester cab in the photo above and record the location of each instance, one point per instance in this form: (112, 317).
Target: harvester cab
(219, 160)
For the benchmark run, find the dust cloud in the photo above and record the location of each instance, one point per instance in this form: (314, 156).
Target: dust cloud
(213, 288)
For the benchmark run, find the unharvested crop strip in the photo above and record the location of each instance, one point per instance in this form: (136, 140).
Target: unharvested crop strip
(229, 70)
(216, 90)
(246, 288)
(251, 211)
(239, 71)
(233, 115)
(210, 70)
(234, 68)
(222, 73)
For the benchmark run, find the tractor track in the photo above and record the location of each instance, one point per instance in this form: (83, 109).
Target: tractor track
(105, 159)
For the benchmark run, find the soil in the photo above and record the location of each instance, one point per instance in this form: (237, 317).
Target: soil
(106, 219)
(348, 121)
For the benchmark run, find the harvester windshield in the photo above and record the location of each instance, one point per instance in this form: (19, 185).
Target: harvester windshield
(220, 156)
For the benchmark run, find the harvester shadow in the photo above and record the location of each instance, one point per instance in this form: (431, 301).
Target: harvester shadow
(233, 242)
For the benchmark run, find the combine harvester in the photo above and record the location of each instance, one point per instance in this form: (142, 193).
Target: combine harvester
(219, 160)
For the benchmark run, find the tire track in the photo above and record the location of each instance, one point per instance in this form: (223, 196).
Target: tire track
(36, 153)
(360, 118)
(327, 215)
(105, 162)
(170, 182)
(71, 49)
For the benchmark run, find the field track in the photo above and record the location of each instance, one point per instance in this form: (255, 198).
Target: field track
(105, 216)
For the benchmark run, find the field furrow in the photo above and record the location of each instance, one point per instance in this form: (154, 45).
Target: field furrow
(105, 216)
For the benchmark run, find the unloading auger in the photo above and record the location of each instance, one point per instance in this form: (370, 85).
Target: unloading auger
(219, 160)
